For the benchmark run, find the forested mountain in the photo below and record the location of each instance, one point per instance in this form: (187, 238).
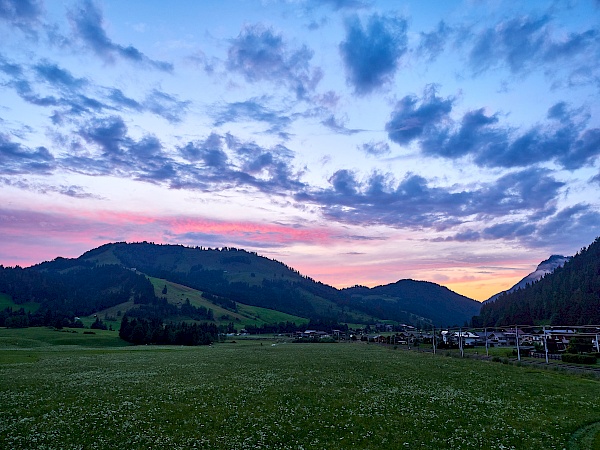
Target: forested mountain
(117, 273)
(543, 268)
(437, 305)
(569, 295)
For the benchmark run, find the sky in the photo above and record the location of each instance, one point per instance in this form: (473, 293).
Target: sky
(357, 141)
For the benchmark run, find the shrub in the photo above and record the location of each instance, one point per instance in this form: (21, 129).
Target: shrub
(496, 359)
(578, 359)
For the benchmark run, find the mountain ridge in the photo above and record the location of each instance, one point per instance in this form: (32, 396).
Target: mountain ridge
(229, 276)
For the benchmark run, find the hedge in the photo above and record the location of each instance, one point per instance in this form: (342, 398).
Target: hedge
(579, 359)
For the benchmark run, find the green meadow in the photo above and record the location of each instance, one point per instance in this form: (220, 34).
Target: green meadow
(62, 390)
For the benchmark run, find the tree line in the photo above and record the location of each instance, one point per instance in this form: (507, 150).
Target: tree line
(144, 331)
(569, 295)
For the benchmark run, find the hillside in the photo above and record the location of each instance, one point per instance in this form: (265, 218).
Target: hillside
(569, 295)
(222, 285)
(415, 301)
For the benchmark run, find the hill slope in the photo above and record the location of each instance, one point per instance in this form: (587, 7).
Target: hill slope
(415, 300)
(235, 282)
(569, 295)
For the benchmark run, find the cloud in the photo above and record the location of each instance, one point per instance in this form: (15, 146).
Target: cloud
(562, 138)
(531, 42)
(58, 77)
(371, 53)
(166, 105)
(43, 188)
(409, 121)
(216, 163)
(372, 148)
(338, 5)
(210, 152)
(87, 23)
(17, 159)
(432, 44)
(253, 110)
(413, 203)
(515, 42)
(21, 13)
(75, 97)
(259, 54)
(337, 126)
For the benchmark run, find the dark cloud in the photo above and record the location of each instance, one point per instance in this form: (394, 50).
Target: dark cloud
(337, 125)
(9, 68)
(41, 188)
(409, 121)
(432, 44)
(563, 138)
(380, 148)
(338, 5)
(213, 164)
(21, 13)
(413, 203)
(515, 42)
(567, 228)
(371, 53)
(210, 152)
(17, 159)
(58, 77)
(259, 54)
(527, 43)
(253, 110)
(166, 105)
(73, 97)
(87, 22)
(117, 97)
(110, 134)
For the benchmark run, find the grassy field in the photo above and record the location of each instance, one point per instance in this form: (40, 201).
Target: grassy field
(257, 394)
(6, 302)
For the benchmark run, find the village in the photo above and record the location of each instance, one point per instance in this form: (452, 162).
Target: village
(543, 341)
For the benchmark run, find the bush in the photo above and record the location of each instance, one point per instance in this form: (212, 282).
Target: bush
(578, 359)
(496, 358)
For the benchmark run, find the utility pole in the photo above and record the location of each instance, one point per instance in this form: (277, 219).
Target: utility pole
(545, 345)
(517, 338)
(433, 339)
(487, 352)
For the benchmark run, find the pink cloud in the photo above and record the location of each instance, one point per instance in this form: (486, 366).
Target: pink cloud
(33, 236)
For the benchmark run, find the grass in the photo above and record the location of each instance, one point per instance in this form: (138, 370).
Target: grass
(246, 315)
(256, 394)
(44, 337)
(7, 302)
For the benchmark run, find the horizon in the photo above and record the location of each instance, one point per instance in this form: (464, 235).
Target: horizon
(203, 248)
(358, 141)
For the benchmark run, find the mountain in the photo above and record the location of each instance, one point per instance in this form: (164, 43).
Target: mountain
(414, 301)
(544, 268)
(141, 277)
(570, 295)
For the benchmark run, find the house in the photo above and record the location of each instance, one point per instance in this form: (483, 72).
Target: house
(497, 339)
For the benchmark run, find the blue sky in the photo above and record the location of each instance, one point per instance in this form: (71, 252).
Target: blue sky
(360, 142)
